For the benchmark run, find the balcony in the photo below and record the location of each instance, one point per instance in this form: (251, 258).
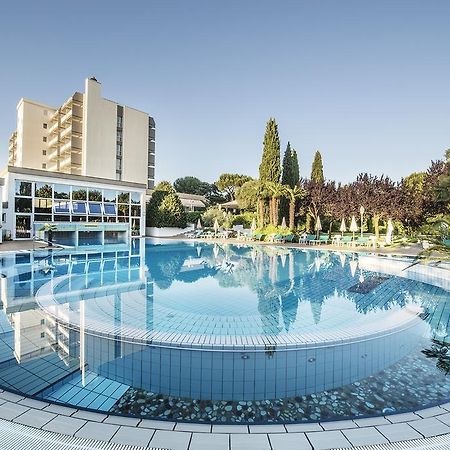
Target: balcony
(65, 147)
(53, 128)
(66, 132)
(53, 141)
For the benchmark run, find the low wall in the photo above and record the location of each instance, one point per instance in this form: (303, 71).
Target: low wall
(166, 231)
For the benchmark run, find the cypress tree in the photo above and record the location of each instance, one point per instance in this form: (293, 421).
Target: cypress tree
(270, 167)
(290, 177)
(317, 169)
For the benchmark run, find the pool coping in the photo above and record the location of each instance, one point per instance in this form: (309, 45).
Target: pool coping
(66, 420)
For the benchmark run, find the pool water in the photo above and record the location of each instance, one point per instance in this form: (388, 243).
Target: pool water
(225, 333)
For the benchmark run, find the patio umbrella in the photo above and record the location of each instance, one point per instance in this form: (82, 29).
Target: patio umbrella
(253, 226)
(283, 259)
(389, 232)
(199, 251)
(342, 257)
(199, 224)
(343, 227)
(353, 267)
(216, 250)
(283, 223)
(353, 226)
(216, 226)
(318, 225)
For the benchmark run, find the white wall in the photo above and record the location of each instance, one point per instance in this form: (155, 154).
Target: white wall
(135, 146)
(166, 231)
(99, 133)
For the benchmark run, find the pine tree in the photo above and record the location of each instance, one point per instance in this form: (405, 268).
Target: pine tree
(270, 167)
(317, 169)
(171, 212)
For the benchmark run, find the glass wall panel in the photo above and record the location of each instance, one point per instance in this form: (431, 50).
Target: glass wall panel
(61, 218)
(43, 205)
(23, 188)
(79, 207)
(23, 227)
(42, 218)
(94, 208)
(136, 198)
(78, 218)
(109, 209)
(135, 210)
(123, 210)
(61, 208)
(123, 197)
(62, 191)
(43, 190)
(109, 196)
(23, 205)
(79, 193)
(95, 195)
(94, 219)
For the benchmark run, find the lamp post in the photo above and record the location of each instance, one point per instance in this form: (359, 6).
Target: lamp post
(361, 211)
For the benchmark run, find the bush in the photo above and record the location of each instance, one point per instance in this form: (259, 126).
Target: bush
(162, 189)
(244, 219)
(193, 216)
(211, 214)
(171, 212)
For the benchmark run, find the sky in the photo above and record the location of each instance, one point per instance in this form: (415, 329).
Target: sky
(366, 83)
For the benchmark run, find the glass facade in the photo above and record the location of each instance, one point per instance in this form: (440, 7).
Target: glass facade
(36, 201)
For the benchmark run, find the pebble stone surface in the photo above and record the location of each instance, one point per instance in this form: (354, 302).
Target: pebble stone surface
(143, 433)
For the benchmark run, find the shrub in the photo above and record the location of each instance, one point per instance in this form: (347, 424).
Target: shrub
(193, 216)
(171, 212)
(211, 214)
(162, 189)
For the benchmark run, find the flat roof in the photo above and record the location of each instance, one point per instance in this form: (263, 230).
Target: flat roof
(68, 176)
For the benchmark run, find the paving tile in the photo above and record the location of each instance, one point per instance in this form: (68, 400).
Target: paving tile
(230, 429)
(64, 425)
(88, 415)
(9, 411)
(195, 427)
(122, 420)
(267, 429)
(289, 441)
(364, 436)
(133, 436)
(33, 403)
(405, 417)
(99, 431)
(303, 427)
(157, 424)
(430, 427)
(446, 406)
(35, 418)
(430, 412)
(59, 409)
(209, 441)
(338, 424)
(371, 421)
(323, 440)
(175, 440)
(10, 396)
(398, 432)
(444, 418)
(250, 442)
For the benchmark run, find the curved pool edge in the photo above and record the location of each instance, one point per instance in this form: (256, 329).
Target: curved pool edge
(416, 425)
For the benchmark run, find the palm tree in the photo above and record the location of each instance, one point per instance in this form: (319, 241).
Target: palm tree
(277, 190)
(293, 194)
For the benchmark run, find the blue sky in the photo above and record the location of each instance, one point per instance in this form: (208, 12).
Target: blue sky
(367, 83)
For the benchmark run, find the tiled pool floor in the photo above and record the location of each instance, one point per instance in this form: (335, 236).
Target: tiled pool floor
(94, 392)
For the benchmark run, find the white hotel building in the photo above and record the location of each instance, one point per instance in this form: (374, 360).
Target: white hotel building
(84, 167)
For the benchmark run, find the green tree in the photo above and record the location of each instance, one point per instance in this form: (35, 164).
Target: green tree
(293, 194)
(290, 177)
(171, 212)
(161, 190)
(317, 169)
(443, 187)
(191, 185)
(228, 183)
(270, 168)
(247, 195)
(277, 191)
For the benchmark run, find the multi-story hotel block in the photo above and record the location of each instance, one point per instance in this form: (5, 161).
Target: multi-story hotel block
(83, 166)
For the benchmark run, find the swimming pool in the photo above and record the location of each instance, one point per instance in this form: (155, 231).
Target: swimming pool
(223, 332)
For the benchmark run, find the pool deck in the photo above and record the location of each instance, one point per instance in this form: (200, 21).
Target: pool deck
(62, 420)
(417, 429)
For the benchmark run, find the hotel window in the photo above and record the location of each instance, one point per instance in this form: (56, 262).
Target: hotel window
(44, 139)
(43, 205)
(95, 195)
(95, 208)
(42, 218)
(109, 196)
(79, 194)
(62, 191)
(23, 188)
(43, 190)
(109, 209)
(119, 136)
(44, 166)
(23, 205)
(135, 198)
(61, 208)
(44, 125)
(44, 152)
(79, 207)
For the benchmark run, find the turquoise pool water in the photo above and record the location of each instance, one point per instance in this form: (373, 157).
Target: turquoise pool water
(253, 333)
